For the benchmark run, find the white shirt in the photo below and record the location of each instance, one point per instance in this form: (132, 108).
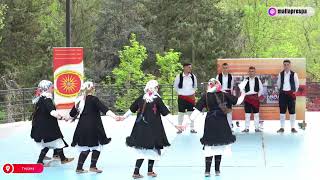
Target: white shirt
(251, 85)
(224, 83)
(187, 88)
(286, 81)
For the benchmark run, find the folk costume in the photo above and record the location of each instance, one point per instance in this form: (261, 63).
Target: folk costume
(217, 137)
(45, 128)
(89, 134)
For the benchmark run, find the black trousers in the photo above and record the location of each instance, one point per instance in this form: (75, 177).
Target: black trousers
(286, 102)
(248, 108)
(184, 105)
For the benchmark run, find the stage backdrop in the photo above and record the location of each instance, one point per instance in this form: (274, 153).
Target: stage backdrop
(68, 75)
(267, 69)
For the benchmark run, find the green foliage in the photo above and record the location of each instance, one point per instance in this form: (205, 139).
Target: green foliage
(3, 8)
(265, 36)
(201, 30)
(32, 28)
(116, 20)
(169, 65)
(128, 76)
(2, 116)
(84, 26)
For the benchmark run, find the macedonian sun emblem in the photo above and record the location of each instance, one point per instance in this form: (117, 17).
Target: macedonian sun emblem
(68, 83)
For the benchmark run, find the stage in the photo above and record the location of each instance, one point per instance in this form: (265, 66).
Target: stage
(255, 156)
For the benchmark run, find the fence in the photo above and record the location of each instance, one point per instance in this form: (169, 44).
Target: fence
(15, 105)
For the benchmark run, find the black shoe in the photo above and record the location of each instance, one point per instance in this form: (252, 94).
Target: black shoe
(293, 130)
(238, 124)
(281, 130)
(217, 173)
(257, 130)
(56, 157)
(232, 125)
(245, 130)
(179, 132)
(47, 158)
(193, 131)
(137, 176)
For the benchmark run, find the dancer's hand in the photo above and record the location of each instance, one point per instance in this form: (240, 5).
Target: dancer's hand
(60, 117)
(180, 127)
(120, 118)
(67, 118)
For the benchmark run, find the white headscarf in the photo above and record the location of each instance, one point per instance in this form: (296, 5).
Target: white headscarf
(214, 85)
(151, 91)
(43, 90)
(85, 88)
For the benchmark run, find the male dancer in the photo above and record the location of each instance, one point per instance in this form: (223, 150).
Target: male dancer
(288, 84)
(186, 84)
(226, 80)
(253, 90)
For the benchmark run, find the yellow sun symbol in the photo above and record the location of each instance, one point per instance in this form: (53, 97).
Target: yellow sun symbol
(69, 84)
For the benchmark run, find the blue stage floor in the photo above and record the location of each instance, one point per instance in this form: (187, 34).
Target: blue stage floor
(255, 156)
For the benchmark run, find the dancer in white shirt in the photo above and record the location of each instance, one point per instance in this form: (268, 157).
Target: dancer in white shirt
(186, 84)
(252, 87)
(288, 84)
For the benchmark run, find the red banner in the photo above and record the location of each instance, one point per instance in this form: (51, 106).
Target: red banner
(68, 75)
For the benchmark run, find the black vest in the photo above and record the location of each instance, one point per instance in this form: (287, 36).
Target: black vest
(229, 79)
(292, 83)
(181, 80)
(256, 85)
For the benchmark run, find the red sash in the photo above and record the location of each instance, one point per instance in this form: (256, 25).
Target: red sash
(253, 100)
(291, 94)
(191, 99)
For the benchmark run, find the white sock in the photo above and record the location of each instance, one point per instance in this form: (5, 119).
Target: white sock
(247, 118)
(293, 120)
(256, 120)
(229, 118)
(282, 120)
(180, 118)
(191, 121)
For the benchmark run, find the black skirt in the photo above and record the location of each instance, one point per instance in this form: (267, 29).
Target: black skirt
(148, 133)
(90, 131)
(217, 130)
(44, 126)
(146, 136)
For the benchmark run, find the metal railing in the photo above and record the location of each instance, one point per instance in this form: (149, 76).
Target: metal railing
(16, 104)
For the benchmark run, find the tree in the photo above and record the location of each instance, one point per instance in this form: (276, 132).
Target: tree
(33, 27)
(265, 36)
(117, 19)
(169, 65)
(129, 77)
(84, 26)
(2, 14)
(201, 30)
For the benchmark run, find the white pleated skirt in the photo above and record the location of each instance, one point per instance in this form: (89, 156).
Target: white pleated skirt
(56, 144)
(217, 150)
(151, 154)
(86, 148)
